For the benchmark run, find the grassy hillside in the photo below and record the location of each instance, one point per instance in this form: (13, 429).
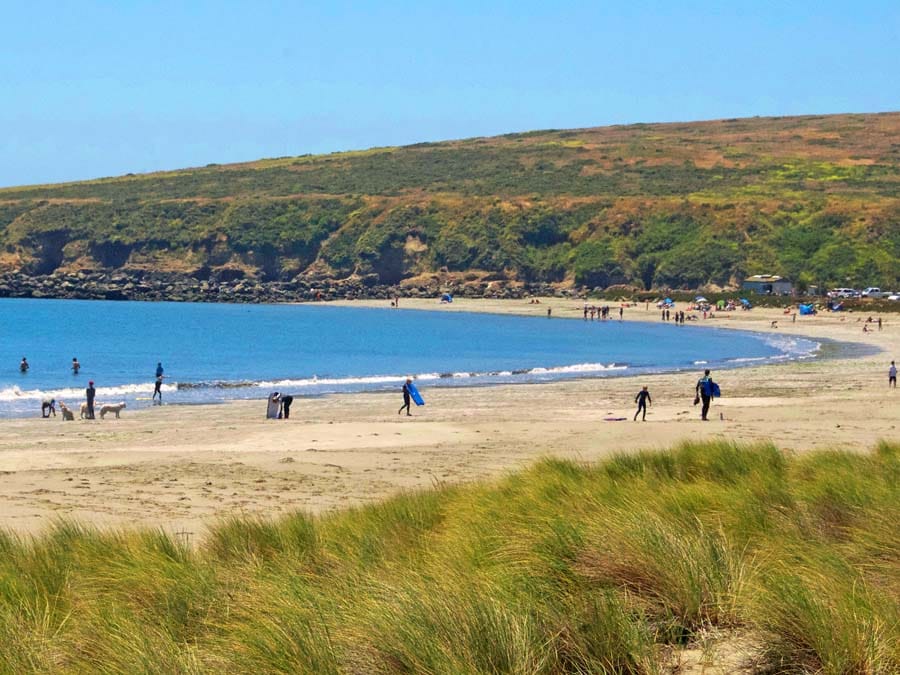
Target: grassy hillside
(736, 556)
(678, 205)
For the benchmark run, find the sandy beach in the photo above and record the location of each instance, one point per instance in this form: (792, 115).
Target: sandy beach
(180, 467)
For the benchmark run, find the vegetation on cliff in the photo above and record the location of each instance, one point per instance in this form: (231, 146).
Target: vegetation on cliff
(741, 558)
(816, 199)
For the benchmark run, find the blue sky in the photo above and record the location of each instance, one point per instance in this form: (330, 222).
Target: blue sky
(91, 89)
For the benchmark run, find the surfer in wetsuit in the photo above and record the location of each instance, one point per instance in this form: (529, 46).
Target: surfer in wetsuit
(23, 366)
(406, 397)
(89, 394)
(643, 400)
(75, 366)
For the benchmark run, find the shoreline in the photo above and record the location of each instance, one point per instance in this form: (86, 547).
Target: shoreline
(827, 348)
(180, 467)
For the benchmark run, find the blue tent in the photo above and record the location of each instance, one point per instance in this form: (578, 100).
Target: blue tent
(446, 297)
(806, 310)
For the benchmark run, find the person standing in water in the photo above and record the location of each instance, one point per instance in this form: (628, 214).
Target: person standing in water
(75, 366)
(643, 400)
(89, 394)
(704, 391)
(406, 397)
(23, 366)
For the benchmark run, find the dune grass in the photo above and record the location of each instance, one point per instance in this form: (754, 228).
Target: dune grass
(613, 567)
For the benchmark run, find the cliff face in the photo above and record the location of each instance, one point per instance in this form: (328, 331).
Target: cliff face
(816, 199)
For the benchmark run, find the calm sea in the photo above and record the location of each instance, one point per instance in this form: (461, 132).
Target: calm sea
(213, 352)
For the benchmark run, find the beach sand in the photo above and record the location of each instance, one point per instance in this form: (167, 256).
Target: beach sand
(182, 467)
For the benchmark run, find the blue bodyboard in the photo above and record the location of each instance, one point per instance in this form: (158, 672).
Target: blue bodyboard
(415, 395)
(716, 392)
(711, 389)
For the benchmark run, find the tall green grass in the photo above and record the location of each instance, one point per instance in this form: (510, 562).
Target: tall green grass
(603, 568)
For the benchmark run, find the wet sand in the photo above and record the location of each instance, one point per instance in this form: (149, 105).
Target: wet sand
(181, 467)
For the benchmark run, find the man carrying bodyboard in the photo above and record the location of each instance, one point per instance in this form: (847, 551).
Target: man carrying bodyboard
(705, 391)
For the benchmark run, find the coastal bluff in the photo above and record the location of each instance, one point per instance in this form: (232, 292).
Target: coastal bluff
(815, 199)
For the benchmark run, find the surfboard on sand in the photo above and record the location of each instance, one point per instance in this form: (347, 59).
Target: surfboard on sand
(415, 395)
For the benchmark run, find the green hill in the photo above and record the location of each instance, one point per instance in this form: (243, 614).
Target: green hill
(816, 199)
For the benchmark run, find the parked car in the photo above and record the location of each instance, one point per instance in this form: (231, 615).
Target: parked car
(873, 292)
(842, 293)
(894, 297)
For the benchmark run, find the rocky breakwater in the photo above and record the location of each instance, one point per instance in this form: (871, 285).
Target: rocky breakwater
(156, 286)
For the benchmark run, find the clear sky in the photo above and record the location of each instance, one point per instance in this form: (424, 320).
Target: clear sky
(91, 89)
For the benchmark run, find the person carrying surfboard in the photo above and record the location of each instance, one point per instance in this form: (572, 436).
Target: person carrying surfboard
(705, 391)
(406, 397)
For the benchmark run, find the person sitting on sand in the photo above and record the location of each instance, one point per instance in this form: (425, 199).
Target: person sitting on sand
(406, 397)
(48, 407)
(643, 400)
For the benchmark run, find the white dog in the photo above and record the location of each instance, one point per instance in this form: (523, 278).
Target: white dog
(68, 415)
(84, 410)
(111, 408)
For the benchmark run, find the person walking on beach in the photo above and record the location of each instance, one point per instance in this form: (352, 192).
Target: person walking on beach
(75, 366)
(704, 391)
(157, 386)
(406, 397)
(643, 400)
(892, 376)
(89, 394)
(23, 366)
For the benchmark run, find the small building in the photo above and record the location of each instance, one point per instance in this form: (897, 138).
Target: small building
(768, 284)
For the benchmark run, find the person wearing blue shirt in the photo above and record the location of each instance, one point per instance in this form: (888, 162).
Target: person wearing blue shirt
(704, 393)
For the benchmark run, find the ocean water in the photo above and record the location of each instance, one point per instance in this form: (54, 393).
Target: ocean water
(217, 352)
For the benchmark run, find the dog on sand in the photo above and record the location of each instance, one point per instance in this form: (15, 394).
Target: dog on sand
(84, 410)
(111, 408)
(67, 415)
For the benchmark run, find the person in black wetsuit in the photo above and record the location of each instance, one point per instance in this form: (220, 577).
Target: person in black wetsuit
(704, 393)
(406, 397)
(286, 401)
(89, 393)
(643, 400)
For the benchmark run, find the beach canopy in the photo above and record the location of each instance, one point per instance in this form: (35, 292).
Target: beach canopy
(700, 298)
(720, 304)
(745, 301)
(446, 297)
(806, 310)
